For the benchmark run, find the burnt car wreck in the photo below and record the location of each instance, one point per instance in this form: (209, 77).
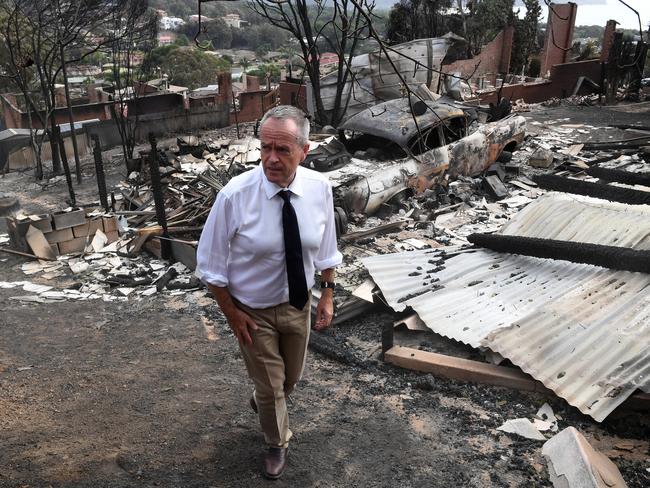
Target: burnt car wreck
(403, 147)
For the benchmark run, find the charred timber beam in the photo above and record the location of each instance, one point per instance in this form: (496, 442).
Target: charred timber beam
(622, 144)
(595, 190)
(99, 172)
(612, 257)
(387, 338)
(330, 348)
(159, 199)
(645, 128)
(621, 176)
(127, 281)
(165, 279)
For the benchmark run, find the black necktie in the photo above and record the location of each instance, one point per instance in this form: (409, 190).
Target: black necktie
(293, 254)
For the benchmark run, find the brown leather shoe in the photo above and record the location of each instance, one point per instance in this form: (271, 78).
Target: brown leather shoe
(275, 461)
(253, 404)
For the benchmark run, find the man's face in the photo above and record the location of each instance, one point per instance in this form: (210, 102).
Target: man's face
(281, 153)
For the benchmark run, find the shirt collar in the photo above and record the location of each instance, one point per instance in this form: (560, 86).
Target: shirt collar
(271, 189)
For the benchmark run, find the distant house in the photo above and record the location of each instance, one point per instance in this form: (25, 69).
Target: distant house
(195, 18)
(329, 61)
(234, 20)
(161, 85)
(166, 38)
(86, 70)
(171, 23)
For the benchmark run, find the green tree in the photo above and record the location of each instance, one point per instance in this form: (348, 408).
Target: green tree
(399, 27)
(182, 40)
(193, 67)
(272, 36)
(262, 49)
(486, 19)
(525, 39)
(245, 38)
(270, 70)
(219, 33)
(154, 60)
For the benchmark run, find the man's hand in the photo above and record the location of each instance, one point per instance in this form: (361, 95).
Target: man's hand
(324, 310)
(241, 324)
(239, 321)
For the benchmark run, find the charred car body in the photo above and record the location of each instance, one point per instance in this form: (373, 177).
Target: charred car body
(403, 147)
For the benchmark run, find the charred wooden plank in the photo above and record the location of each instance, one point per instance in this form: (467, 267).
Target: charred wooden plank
(612, 257)
(621, 176)
(596, 190)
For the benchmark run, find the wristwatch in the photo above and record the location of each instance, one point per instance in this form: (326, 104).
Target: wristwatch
(327, 284)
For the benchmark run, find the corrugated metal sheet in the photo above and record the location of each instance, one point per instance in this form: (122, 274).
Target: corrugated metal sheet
(582, 219)
(584, 331)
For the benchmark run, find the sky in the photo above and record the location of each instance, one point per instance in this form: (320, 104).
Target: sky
(598, 12)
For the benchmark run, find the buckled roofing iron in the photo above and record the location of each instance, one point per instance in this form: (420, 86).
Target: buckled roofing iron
(582, 330)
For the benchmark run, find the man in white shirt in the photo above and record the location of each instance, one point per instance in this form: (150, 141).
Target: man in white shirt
(269, 230)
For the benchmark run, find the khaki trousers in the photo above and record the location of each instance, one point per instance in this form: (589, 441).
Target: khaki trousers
(275, 362)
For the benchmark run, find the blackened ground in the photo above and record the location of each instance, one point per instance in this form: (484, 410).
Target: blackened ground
(154, 393)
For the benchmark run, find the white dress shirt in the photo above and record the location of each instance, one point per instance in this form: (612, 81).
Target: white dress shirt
(242, 243)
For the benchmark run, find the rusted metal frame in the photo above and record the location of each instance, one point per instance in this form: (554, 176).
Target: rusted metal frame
(425, 179)
(619, 258)
(596, 190)
(156, 186)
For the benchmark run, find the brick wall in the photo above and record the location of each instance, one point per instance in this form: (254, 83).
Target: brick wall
(608, 39)
(153, 104)
(10, 113)
(293, 94)
(559, 35)
(252, 106)
(493, 58)
(561, 83)
(15, 119)
(225, 87)
(252, 83)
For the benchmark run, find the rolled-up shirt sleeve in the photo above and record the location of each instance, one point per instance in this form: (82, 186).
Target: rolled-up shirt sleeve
(214, 244)
(328, 255)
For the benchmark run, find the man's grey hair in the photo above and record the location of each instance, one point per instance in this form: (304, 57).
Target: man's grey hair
(289, 112)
